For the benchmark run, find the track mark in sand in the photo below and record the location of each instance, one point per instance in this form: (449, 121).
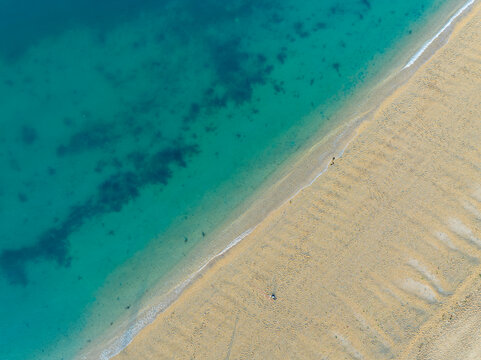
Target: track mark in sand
(376, 334)
(477, 193)
(388, 292)
(346, 344)
(444, 238)
(423, 270)
(232, 339)
(419, 289)
(463, 231)
(372, 330)
(472, 209)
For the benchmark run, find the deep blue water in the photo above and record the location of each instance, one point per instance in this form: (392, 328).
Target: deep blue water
(130, 129)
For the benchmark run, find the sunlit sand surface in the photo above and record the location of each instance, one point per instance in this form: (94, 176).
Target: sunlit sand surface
(378, 259)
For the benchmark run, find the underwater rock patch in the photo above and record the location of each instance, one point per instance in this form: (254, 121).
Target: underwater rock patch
(112, 194)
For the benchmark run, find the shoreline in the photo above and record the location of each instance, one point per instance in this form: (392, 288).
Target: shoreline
(448, 223)
(423, 49)
(336, 141)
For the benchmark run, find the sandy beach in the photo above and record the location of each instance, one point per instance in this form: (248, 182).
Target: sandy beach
(379, 258)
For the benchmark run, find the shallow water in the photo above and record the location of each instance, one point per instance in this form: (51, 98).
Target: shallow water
(124, 121)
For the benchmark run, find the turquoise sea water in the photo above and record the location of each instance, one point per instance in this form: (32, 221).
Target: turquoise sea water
(130, 125)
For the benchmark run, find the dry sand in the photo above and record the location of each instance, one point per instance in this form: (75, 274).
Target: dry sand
(377, 259)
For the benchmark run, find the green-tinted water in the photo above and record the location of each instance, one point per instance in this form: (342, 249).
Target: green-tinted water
(125, 120)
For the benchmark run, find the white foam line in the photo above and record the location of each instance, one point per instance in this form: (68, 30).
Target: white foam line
(443, 29)
(126, 338)
(227, 248)
(123, 341)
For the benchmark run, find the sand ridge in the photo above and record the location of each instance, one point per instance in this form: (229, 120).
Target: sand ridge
(365, 262)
